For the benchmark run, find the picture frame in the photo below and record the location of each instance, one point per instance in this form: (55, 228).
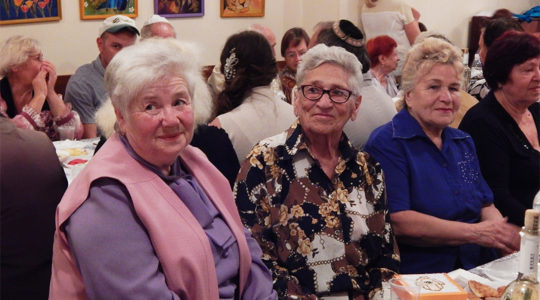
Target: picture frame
(179, 8)
(241, 8)
(102, 9)
(18, 11)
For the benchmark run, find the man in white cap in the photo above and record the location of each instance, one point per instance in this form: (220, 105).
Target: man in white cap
(157, 26)
(86, 88)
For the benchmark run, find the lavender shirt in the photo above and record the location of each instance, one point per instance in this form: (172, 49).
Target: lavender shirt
(106, 229)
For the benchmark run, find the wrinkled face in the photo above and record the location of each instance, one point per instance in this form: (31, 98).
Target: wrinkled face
(391, 61)
(435, 98)
(293, 54)
(30, 68)
(111, 43)
(523, 84)
(159, 122)
(324, 117)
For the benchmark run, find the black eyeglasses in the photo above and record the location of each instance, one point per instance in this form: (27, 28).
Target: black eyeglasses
(314, 93)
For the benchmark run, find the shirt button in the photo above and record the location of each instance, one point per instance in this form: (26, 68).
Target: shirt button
(456, 192)
(225, 253)
(445, 165)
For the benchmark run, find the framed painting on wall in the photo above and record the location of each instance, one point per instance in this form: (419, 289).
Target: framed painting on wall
(179, 8)
(241, 8)
(19, 11)
(102, 9)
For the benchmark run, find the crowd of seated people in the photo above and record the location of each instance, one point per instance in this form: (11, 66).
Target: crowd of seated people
(304, 182)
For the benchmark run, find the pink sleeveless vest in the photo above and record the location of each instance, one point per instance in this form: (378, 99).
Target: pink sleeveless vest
(180, 242)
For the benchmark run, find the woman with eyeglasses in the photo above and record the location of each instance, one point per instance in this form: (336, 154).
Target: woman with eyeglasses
(315, 204)
(441, 208)
(27, 93)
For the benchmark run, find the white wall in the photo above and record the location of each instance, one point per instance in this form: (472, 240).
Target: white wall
(70, 42)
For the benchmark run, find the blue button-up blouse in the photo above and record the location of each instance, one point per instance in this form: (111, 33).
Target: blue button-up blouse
(444, 183)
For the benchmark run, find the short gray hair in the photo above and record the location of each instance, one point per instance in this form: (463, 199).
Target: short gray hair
(137, 66)
(15, 51)
(321, 54)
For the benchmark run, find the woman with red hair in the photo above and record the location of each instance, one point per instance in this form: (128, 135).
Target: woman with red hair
(384, 59)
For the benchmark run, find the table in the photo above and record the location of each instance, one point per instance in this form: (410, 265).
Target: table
(501, 270)
(75, 154)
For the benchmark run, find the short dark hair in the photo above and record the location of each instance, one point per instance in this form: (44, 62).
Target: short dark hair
(328, 37)
(256, 66)
(510, 49)
(293, 36)
(496, 27)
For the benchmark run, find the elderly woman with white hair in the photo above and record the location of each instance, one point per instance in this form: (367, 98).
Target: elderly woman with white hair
(27, 94)
(150, 217)
(441, 208)
(315, 204)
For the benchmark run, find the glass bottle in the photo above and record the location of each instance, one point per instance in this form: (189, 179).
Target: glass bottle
(536, 202)
(525, 286)
(467, 70)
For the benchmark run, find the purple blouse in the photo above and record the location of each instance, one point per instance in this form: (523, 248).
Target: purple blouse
(106, 229)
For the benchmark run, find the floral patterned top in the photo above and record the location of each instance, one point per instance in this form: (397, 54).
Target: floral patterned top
(319, 236)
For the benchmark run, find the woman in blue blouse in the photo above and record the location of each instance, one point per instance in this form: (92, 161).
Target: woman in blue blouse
(441, 208)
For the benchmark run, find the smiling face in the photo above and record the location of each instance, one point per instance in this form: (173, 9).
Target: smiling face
(324, 117)
(523, 84)
(435, 98)
(159, 122)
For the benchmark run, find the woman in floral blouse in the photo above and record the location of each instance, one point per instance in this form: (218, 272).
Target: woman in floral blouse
(27, 93)
(315, 204)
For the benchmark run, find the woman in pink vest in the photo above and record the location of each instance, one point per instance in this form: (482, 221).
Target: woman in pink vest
(150, 217)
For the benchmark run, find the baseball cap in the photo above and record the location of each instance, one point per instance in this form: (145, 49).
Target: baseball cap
(156, 19)
(116, 23)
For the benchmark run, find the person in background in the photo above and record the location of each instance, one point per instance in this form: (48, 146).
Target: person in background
(248, 109)
(315, 204)
(394, 18)
(478, 86)
(32, 183)
(27, 94)
(165, 213)
(216, 81)
(157, 26)
(293, 45)
(440, 206)
(377, 107)
(384, 60)
(85, 89)
(316, 30)
(505, 125)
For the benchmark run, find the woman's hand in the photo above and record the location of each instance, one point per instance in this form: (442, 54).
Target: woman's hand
(497, 233)
(39, 85)
(56, 104)
(51, 79)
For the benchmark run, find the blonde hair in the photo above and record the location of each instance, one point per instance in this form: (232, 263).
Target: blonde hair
(422, 57)
(15, 51)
